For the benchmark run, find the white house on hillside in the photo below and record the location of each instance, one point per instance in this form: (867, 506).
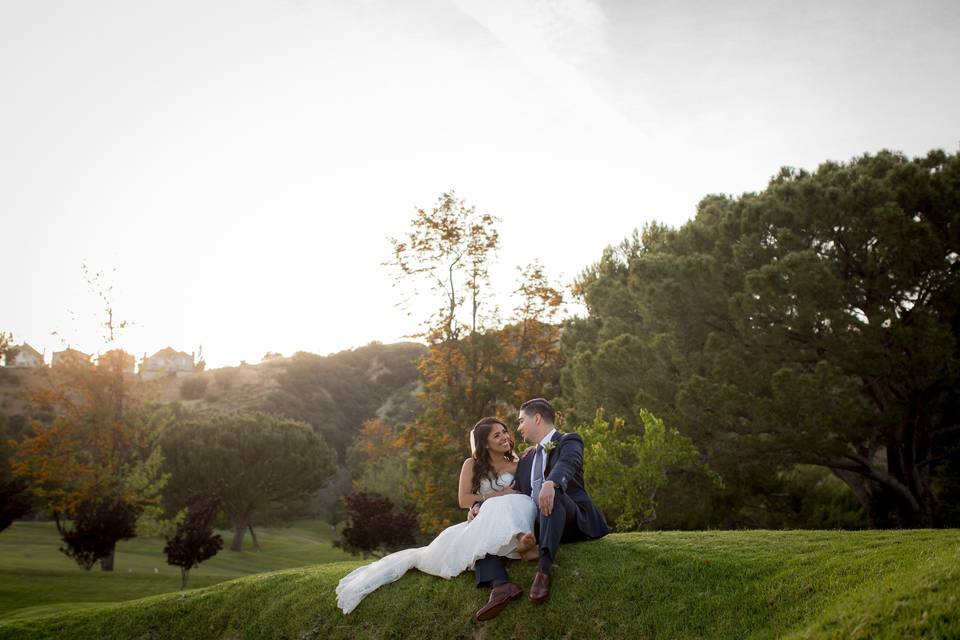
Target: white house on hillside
(166, 362)
(23, 356)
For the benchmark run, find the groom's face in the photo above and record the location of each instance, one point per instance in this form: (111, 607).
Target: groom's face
(529, 427)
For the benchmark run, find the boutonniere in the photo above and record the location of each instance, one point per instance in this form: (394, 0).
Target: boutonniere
(550, 446)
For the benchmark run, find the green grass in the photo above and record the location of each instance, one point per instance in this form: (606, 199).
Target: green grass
(757, 584)
(36, 577)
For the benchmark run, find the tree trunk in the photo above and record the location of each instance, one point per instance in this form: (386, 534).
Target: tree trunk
(870, 495)
(925, 519)
(106, 562)
(922, 516)
(239, 530)
(184, 573)
(256, 543)
(886, 508)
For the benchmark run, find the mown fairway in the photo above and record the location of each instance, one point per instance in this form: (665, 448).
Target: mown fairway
(36, 578)
(726, 584)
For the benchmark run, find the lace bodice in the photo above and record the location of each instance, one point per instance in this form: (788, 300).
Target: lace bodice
(502, 482)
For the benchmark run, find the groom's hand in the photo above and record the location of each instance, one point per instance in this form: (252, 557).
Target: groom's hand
(547, 493)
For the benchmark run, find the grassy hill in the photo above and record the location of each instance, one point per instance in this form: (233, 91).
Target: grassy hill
(36, 578)
(757, 584)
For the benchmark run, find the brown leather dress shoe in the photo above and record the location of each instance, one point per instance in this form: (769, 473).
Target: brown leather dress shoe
(499, 598)
(540, 589)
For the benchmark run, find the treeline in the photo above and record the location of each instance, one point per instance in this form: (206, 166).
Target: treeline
(107, 462)
(787, 358)
(479, 362)
(336, 394)
(804, 337)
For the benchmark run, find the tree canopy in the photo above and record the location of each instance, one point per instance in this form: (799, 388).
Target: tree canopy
(258, 459)
(15, 498)
(475, 364)
(336, 394)
(194, 540)
(92, 466)
(625, 471)
(814, 322)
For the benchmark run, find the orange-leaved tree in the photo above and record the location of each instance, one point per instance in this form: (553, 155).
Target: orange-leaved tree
(378, 461)
(533, 337)
(92, 466)
(473, 366)
(447, 250)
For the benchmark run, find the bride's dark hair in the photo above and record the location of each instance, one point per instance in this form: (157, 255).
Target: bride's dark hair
(483, 464)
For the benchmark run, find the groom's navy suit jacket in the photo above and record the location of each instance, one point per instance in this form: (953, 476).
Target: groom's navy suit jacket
(565, 468)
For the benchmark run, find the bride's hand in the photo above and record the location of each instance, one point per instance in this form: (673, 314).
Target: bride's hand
(474, 510)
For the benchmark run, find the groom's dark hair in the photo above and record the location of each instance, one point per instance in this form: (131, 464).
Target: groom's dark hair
(541, 406)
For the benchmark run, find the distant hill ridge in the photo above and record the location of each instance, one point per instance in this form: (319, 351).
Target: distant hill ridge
(335, 394)
(729, 584)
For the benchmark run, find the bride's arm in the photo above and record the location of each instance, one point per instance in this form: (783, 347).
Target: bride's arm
(466, 495)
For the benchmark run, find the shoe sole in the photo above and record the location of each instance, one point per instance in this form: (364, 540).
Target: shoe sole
(493, 612)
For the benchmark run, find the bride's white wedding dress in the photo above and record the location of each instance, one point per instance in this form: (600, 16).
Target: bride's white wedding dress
(494, 531)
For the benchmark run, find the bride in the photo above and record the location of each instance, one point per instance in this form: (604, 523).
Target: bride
(502, 527)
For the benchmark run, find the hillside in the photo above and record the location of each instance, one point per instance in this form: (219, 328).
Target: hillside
(758, 584)
(35, 576)
(335, 394)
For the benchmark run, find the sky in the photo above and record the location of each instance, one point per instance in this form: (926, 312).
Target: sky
(234, 170)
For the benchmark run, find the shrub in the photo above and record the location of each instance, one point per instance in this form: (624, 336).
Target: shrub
(98, 524)
(194, 540)
(193, 388)
(374, 525)
(225, 377)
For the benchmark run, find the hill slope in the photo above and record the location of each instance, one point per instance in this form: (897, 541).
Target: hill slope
(335, 393)
(759, 584)
(35, 575)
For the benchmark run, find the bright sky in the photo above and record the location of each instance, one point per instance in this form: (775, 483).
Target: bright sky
(235, 168)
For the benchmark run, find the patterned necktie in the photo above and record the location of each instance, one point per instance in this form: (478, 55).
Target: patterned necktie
(537, 473)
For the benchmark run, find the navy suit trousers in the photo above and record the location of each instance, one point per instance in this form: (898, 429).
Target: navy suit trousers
(559, 526)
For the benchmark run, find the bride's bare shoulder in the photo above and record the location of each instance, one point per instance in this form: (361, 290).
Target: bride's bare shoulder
(468, 463)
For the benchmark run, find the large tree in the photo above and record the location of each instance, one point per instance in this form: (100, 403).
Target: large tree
(447, 251)
(92, 466)
(814, 322)
(474, 365)
(260, 460)
(15, 498)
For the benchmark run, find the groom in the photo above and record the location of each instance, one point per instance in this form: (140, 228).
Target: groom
(553, 476)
